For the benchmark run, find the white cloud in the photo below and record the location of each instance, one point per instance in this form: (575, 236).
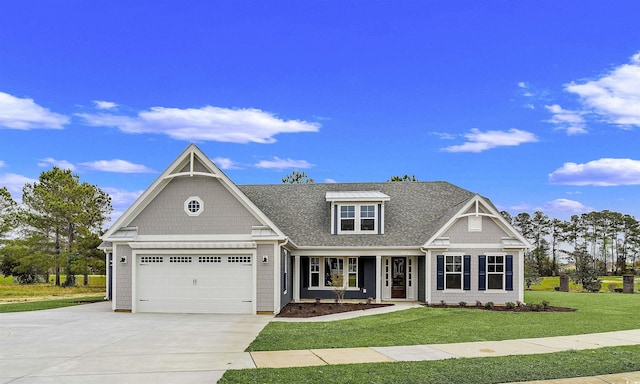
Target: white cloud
(25, 114)
(522, 84)
(121, 198)
(2, 164)
(615, 96)
(330, 181)
(14, 184)
(443, 135)
(225, 163)
(205, 124)
(101, 104)
(565, 206)
(278, 163)
(530, 106)
(117, 165)
(62, 164)
(571, 121)
(479, 141)
(601, 172)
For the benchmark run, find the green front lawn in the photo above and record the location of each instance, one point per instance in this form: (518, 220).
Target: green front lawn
(48, 304)
(597, 312)
(459, 371)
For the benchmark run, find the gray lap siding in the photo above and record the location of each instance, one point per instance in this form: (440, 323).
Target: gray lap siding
(470, 296)
(264, 279)
(122, 276)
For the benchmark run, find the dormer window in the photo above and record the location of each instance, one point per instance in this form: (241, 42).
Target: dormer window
(357, 218)
(357, 212)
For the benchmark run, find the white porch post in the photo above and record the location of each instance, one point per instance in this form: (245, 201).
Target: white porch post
(296, 279)
(378, 278)
(427, 277)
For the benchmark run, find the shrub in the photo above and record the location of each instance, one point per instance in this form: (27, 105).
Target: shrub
(611, 287)
(443, 303)
(489, 305)
(544, 303)
(536, 307)
(462, 304)
(510, 305)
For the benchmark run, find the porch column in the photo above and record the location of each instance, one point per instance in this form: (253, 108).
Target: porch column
(296, 279)
(378, 278)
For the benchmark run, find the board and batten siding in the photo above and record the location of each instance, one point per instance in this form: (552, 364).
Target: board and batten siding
(222, 213)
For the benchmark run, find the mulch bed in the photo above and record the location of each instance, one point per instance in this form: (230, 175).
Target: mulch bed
(501, 308)
(321, 309)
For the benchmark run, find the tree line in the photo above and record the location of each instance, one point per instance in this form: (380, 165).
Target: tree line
(594, 243)
(55, 229)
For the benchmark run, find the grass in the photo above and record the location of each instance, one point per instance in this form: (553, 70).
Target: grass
(459, 371)
(10, 291)
(48, 304)
(598, 312)
(549, 283)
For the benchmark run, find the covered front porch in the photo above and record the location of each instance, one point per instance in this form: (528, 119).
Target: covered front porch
(389, 277)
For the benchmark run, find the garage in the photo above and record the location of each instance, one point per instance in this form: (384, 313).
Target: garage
(194, 283)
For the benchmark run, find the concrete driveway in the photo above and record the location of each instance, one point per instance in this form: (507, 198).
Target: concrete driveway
(91, 344)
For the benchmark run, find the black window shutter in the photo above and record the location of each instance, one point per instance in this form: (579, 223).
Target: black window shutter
(466, 272)
(440, 273)
(482, 272)
(509, 273)
(336, 219)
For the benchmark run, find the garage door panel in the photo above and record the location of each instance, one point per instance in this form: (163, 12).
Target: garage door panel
(195, 284)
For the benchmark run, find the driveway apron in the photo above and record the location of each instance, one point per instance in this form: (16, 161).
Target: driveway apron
(91, 344)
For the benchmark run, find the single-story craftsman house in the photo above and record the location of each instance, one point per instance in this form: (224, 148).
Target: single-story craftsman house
(195, 242)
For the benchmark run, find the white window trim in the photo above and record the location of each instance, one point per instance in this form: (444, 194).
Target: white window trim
(461, 289)
(503, 273)
(321, 273)
(357, 219)
(189, 200)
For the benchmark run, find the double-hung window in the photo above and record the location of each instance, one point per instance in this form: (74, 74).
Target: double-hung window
(453, 272)
(314, 272)
(495, 272)
(347, 218)
(360, 218)
(353, 272)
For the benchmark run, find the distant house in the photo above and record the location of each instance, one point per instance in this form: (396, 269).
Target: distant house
(195, 242)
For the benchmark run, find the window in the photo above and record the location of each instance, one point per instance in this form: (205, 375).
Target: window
(358, 218)
(367, 217)
(453, 272)
(353, 272)
(314, 272)
(495, 272)
(333, 266)
(284, 267)
(347, 217)
(330, 267)
(193, 206)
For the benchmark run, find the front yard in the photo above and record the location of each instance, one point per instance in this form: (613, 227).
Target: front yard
(600, 312)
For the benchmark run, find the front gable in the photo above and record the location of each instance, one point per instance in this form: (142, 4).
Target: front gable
(168, 206)
(477, 222)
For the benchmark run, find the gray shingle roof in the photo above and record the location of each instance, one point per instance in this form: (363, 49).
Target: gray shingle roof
(414, 213)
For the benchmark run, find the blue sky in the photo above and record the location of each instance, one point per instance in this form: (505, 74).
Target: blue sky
(535, 105)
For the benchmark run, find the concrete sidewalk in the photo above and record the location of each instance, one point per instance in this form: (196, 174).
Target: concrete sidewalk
(318, 357)
(301, 358)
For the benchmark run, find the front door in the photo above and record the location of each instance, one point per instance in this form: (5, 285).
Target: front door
(399, 278)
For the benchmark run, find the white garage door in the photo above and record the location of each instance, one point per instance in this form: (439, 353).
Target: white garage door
(194, 284)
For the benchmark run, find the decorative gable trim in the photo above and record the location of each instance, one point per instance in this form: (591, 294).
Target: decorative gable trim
(185, 165)
(481, 208)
